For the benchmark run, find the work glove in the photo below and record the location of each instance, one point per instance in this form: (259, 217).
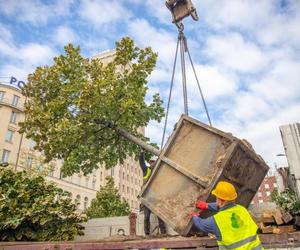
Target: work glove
(193, 214)
(202, 205)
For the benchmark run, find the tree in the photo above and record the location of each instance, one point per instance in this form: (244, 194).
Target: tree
(71, 103)
(32, 210)
(107, 203)
(287, 200)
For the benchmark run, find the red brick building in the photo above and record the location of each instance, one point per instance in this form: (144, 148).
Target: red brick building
(264, 192)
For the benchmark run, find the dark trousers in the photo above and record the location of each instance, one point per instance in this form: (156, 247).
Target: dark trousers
(161, 224)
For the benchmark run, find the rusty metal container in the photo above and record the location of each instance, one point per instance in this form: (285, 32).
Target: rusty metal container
(196, 157)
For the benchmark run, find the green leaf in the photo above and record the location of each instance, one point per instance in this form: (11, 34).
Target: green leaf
(65, 98)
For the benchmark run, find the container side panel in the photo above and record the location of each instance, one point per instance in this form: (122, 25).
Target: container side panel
(171, 196)
(246, 173)
(197, 150)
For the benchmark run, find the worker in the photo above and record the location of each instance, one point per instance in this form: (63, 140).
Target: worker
(232, 225)
(147, 170)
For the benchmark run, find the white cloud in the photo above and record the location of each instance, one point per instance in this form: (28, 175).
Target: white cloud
(160, 40)
(34, 11)
(103, 12)
(233, 52)
(5, 33)
(280, 85)
(21, 59)
(64, 35)
(158, 9)
(36, 54)
(214, 83)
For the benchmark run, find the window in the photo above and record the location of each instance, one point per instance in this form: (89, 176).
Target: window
(5, 155)
(9, 135)
(15, 100)
(123, 188)
(267, 186)
(32, 144)
(101, 175)
(87, 181)
(13, 117)
(94, 184)
(1, 95)
(123, 176)
(40, 168)
(132, 191)
(85, 203)
(77, 201)
(127, 190)
(51, 173)
(127, 177)
(29, 162)
(61, 175)
(112, 171)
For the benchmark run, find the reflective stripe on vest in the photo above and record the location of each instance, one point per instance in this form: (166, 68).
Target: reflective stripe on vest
(237, 228)
(147, 175)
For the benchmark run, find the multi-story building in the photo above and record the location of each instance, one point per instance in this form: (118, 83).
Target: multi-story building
(17, 150)
(264, 192)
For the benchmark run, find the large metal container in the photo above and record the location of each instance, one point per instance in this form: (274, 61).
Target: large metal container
(194, 159)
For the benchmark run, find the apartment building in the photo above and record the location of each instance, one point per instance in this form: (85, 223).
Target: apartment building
(17, 150)
(264, 192)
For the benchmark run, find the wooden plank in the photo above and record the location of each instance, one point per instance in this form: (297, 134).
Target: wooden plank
(267, 217)
(284, 229)
(278, 217)
(286, 216)
(266, 229)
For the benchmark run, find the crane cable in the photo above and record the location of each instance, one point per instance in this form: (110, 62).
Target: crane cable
(183, 48)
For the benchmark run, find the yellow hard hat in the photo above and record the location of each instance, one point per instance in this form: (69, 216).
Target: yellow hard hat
(225, 191)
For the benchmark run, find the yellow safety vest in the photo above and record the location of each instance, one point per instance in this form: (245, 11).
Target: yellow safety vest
(147, 175)
(237, 228)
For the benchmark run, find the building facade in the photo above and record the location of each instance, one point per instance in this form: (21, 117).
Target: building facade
(18, 151)
(264, 192)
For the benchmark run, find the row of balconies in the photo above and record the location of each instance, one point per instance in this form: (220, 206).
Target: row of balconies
(9, 102)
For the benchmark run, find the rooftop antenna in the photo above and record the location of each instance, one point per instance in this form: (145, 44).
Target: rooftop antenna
(181, 9)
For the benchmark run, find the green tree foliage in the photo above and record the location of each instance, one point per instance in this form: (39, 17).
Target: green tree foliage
(107, 203)
(66, 98)
(32, 210)
(287, 200)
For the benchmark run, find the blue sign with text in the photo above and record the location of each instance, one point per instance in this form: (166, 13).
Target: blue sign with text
(14, 81)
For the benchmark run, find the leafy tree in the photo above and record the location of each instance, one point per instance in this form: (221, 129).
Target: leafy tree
(107, 203)
(74, 105)
(287, 200)
(32, 210)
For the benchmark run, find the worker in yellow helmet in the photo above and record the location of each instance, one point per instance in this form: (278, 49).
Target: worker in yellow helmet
(147, 171)
(232, 225)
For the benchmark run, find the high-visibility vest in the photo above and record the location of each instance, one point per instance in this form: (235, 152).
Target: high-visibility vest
(147, 175)
(237, 228)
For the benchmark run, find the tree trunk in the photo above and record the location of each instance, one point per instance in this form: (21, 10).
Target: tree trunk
(128, 136)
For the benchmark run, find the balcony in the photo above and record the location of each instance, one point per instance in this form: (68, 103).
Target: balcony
(9, 103)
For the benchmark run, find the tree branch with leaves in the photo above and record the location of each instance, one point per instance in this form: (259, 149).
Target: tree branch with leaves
(66, 98)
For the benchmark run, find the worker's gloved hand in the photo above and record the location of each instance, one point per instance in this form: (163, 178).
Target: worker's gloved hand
(193, 214)
(202, 205)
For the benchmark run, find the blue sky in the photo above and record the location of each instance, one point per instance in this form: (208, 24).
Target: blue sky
(246, 55)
